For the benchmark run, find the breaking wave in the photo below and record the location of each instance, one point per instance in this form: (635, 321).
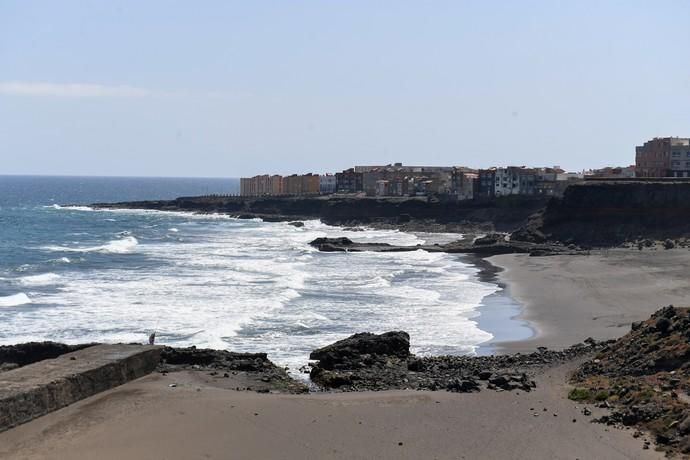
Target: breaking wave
(14, 300)
(39, 280)
(125, 245)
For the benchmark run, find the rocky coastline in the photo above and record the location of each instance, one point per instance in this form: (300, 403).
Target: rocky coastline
(405, 213)
(641, 379)
(594, 214)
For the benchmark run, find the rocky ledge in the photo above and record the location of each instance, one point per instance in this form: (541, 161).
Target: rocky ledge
(384, 362)
(247, 371)
(645, 378)
(487, 245)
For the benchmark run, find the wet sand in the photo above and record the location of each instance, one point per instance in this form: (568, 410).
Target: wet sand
(148, 419)
(566, 299)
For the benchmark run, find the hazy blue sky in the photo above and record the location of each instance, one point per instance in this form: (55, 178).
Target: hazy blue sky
(222, 88)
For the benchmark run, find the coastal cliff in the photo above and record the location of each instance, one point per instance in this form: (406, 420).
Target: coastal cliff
(504, 214)
(613, 213)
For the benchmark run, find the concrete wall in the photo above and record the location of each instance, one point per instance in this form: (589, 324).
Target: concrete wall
(37, 389)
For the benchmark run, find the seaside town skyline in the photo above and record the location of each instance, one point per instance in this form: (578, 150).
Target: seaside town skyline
(659, 157)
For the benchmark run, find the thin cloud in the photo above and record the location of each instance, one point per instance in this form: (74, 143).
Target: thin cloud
(17, 88)
(89, 90)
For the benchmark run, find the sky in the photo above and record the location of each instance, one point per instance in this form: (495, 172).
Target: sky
(236, 88)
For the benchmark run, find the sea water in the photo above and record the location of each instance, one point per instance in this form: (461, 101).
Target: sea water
(75, 274)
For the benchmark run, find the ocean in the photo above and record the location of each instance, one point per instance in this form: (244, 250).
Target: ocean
(74, 274)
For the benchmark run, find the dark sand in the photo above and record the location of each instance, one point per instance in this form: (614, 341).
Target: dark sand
(569, 298)
(147, 419)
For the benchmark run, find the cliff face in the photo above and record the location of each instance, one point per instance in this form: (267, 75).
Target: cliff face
(504, 214)
(606, 213)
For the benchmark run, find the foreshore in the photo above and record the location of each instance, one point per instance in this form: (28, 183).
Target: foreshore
(566, 298)
(149, 419)
(560, 300)
(192, 413)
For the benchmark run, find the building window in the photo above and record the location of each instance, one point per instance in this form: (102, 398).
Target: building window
(676, 154)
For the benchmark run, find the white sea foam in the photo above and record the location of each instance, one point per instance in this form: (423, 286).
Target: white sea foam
(39, 280)
(70, 208)
(248, 285)
(15, 300)
(173, 230)
(124, 245)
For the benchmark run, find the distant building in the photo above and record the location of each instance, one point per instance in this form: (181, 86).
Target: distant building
(349, 181)
(515, 180)
(663, 157)
(421, 180)
(546, 181)
(292, 184)
(463, 183)
(276, 185)
(485, 187)
(310, 184)
(327, 184)
(612, 172)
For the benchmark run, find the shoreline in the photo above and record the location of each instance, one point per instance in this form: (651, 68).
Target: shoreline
(510, 314)
(498, 309)
(567, 298)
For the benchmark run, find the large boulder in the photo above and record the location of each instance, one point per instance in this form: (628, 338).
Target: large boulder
(341, 241)
(359, 346)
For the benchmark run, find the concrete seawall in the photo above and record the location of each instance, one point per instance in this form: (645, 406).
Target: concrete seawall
(43, 387)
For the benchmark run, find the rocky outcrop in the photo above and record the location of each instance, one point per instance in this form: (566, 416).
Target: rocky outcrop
(353, 350)
(263, 375)
(611, 213)
(383, 362)
(489, 245)
(645, 377)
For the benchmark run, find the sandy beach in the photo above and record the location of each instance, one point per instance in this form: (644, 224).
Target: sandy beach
(188, 414)
(148, 419)
(569, 298)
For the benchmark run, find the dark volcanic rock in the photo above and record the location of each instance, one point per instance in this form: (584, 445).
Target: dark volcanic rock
(502, 214)
(331, 244)
(359, 347)
(365, 362)
(219, 359)
(610, 213)
(265, 375)
(642, 375)
(297, 224)
(491, 238)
